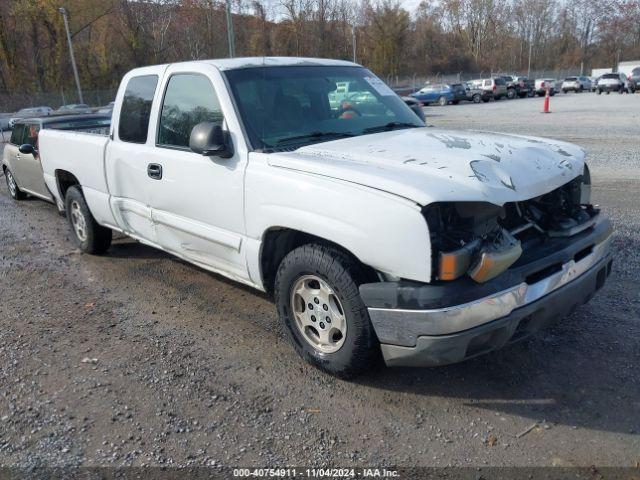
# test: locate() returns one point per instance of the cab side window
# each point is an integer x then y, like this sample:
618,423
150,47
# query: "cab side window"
189,99
136,109
17,134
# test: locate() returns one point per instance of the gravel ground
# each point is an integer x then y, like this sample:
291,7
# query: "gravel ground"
137,358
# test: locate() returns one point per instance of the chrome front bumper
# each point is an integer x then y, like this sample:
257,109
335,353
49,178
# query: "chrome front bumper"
414,336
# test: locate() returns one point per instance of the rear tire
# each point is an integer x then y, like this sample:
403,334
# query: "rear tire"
12,185
442,101
87,234
323,280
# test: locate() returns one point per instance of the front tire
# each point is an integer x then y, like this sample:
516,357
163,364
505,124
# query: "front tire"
477,98
12,185
317,296
87,234
442,101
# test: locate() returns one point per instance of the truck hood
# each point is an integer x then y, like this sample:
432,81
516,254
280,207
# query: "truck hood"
427,165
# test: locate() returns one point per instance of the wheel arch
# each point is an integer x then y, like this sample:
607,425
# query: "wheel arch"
65,180
277,242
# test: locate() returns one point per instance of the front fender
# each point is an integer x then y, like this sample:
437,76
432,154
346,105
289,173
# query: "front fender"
383,231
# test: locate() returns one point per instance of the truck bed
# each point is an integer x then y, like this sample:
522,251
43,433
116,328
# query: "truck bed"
81,153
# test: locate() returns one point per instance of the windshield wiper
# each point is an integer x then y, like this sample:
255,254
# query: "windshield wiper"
389,126
315,136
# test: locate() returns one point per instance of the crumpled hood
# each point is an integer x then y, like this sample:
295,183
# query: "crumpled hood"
428,165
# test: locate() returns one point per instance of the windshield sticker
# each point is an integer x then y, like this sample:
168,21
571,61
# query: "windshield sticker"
379,86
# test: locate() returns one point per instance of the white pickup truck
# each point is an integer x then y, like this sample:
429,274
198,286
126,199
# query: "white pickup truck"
378,237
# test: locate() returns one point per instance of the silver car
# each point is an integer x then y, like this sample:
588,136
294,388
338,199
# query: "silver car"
576,84
494,86
613,82
20,160
73,108
29,112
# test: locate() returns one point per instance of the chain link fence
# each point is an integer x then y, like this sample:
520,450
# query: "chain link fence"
12,102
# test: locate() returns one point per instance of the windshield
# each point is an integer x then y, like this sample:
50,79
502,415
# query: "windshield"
285,107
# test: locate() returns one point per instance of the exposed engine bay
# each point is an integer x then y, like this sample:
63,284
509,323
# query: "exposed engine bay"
483,240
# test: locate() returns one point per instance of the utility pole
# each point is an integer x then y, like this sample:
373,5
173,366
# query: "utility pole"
230,36
529,67
353,34
73,58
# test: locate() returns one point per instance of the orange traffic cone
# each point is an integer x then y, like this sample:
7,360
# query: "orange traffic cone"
546,102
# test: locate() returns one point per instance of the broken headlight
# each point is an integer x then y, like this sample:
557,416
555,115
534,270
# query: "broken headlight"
467,238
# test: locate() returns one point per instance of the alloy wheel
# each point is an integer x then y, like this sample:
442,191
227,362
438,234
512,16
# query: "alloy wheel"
318,314
78,221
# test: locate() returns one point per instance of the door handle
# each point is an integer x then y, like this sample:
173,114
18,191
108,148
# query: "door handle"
154,170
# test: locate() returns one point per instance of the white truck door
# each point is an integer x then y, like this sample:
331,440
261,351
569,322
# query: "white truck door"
198,202
127,159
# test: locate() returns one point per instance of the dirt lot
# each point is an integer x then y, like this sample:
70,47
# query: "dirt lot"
138,358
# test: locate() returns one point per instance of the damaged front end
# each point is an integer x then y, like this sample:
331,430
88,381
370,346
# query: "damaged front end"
482,240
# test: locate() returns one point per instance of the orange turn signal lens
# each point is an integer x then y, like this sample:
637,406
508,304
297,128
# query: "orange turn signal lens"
454,264
492,264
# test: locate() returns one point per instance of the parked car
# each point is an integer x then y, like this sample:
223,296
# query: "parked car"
576,84
415,105
524,86
594,83
494,86
30,112
377,236
108,108
634,80
613,82
74,108
475,94
459,92
512,86
439,93
542,84
20,159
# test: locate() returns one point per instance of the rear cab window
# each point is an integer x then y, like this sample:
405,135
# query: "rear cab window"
133,125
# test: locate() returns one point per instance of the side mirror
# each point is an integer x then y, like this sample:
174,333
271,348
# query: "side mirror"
209,139
27,149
